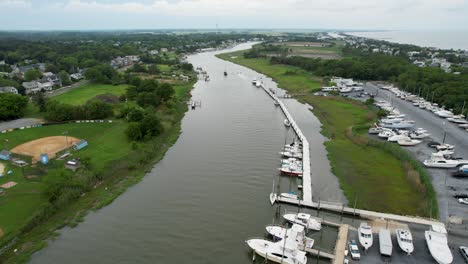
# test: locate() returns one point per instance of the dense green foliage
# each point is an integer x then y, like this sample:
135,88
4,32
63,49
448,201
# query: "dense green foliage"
32,75
12,106
443,88
102,73
95,109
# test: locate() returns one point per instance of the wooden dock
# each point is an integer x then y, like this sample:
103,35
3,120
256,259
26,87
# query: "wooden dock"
340,246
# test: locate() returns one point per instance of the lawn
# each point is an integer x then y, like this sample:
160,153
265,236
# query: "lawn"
370,176
292,78
82,94
107,142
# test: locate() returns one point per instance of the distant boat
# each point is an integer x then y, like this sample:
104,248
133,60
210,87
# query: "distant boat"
225,73
276,103
287,123
273,194
407,142
289,195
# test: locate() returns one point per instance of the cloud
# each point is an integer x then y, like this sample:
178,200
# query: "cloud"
363,14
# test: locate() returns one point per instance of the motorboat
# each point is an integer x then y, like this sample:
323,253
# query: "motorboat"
365,235
463,125
386,134
444,113
418,135
291,161
305,220
279,252
437,243
258,83
287,123
276,103
407,142
291,154
405,240
254,81
296,232
398,125
398,137
440,162
292,170
444,147
375,130
460,119
273,194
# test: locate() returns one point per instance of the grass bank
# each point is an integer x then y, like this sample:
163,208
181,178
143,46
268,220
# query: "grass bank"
80,95
117,163
370,175
295,79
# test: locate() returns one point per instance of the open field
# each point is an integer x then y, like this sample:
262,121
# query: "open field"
82,94
49,145
314,49
372,178
293,79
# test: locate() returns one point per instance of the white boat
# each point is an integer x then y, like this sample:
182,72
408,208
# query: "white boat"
291,161
398,125
276,103
405,240
440,162
345,89
254,81
291,154
457,120
296,232
279,252
385,242
463,125
418,135
386,134
437,243
396,138
444,113
305,220
273,194
445,147
292,170
375,130
365,235
258,83
289,195
407,142
287,123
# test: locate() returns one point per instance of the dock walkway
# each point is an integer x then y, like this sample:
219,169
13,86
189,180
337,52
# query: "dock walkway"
306,180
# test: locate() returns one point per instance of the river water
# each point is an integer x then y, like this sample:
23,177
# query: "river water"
210,192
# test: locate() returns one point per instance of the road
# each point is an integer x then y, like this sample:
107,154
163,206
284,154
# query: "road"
22,122
65,89
444,185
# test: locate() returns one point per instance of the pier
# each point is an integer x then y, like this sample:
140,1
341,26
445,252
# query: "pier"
306,180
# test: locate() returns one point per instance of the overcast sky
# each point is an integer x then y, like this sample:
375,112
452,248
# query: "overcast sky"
301,14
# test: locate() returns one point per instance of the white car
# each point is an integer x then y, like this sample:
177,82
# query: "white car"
354,250
463,200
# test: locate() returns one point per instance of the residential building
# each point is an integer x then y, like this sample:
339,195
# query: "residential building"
51,77
37,86
8,89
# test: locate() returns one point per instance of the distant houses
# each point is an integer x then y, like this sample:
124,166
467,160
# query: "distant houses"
120,62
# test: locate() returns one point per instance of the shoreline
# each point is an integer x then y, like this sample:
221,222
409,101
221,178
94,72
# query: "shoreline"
19,248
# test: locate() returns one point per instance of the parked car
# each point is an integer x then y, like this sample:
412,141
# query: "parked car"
354,250
464,253
463,200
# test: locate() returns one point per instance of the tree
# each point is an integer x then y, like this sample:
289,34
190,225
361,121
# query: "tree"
40,100
96,109
186,66
12,106
153,69
165,91
32,74
133,132
151,126
135,115
65,78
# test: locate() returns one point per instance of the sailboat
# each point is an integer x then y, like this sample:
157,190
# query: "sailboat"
273,194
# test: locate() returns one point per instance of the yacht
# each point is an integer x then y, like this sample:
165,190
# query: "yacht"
405,240
441,162
375,130
445,147
444,113
254,81
459,119
280,252
397,137
287,123
436,240
418,135
292,154
398,124
296,232
407,142
365,235
305,220
292,170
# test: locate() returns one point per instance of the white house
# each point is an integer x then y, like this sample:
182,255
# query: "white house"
8,89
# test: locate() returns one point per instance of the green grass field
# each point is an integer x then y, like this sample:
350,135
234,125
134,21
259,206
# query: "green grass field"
372,177
292,78
107,142
86,92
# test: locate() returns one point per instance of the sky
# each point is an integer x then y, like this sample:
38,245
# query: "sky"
258,14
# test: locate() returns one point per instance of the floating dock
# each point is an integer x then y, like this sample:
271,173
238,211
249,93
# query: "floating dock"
306,181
